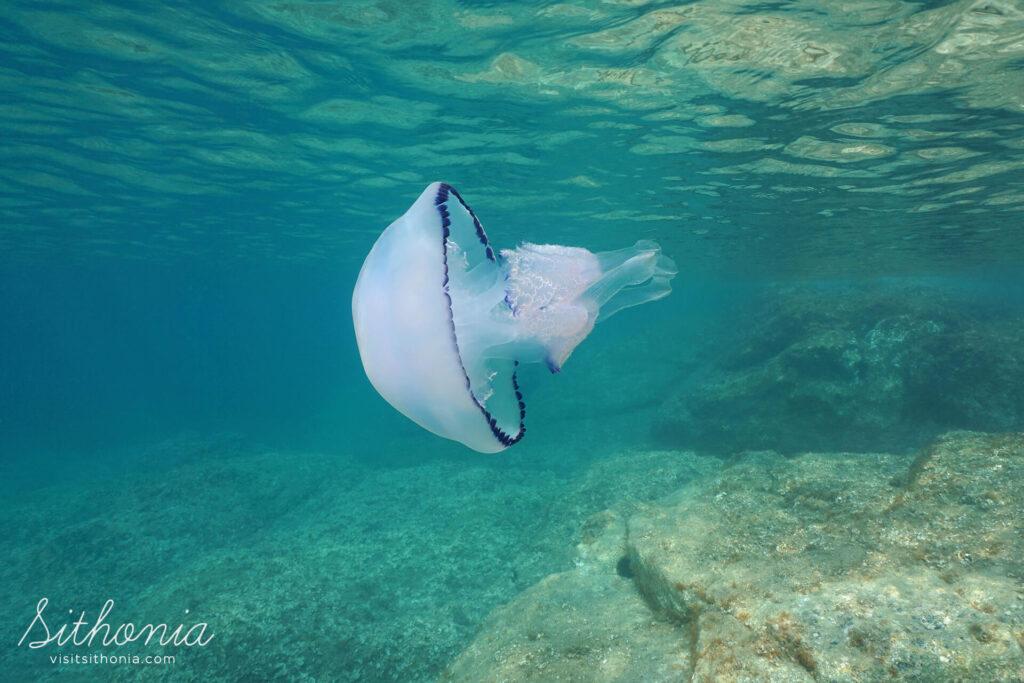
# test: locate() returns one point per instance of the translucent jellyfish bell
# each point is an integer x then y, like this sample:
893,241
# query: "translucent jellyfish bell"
442,320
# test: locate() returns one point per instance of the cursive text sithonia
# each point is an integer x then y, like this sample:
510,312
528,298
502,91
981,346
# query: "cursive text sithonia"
75,632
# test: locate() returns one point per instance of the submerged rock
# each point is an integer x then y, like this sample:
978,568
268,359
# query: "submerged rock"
588,624
884,369
820,567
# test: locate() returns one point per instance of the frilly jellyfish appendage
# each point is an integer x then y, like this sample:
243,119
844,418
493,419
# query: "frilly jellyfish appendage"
442,320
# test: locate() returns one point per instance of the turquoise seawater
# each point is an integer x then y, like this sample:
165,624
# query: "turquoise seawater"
188,191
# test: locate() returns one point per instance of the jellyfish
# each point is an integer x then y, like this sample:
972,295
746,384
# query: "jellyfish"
442,320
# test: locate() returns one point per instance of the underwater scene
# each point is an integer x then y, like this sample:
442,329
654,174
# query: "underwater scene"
454,340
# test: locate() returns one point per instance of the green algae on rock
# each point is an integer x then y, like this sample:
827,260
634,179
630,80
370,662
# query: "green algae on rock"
831,368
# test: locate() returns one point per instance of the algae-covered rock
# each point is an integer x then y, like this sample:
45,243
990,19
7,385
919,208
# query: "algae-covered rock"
829,567
852,368
849,565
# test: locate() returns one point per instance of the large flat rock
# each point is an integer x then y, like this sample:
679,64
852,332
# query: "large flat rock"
849,565
820,567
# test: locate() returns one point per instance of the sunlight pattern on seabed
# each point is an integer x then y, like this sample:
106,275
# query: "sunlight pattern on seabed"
891,130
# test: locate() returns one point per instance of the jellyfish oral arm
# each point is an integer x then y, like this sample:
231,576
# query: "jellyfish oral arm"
442,321
630,277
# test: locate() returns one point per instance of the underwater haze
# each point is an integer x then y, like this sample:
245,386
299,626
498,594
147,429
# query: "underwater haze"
805,463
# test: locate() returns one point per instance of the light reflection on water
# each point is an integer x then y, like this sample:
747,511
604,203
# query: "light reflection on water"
756,139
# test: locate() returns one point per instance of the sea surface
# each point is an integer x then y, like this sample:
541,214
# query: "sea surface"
188,191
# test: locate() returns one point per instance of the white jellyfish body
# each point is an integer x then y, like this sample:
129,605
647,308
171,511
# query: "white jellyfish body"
442,321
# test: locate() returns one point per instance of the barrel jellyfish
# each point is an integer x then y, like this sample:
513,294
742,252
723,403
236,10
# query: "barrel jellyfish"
442,320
